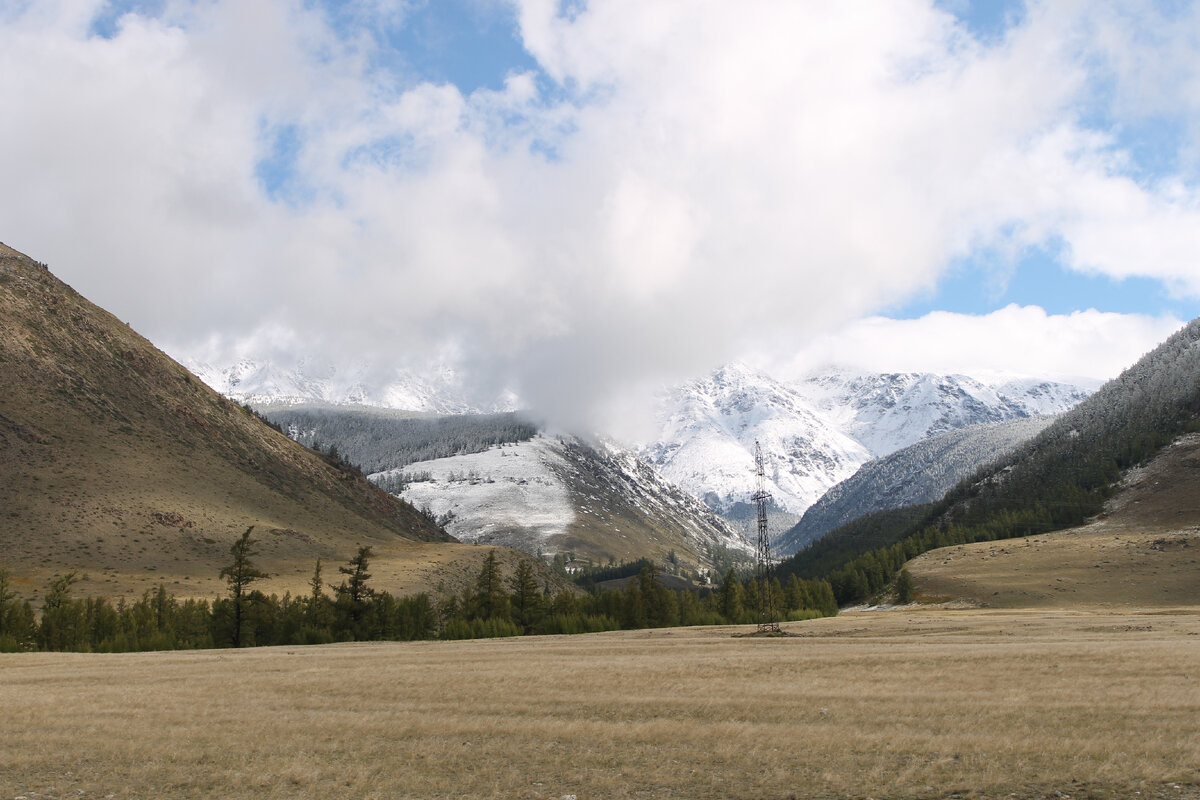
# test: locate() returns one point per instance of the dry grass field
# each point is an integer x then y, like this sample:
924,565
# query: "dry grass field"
1144,551
898,704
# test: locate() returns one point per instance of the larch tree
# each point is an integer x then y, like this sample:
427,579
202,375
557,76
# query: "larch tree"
238,576
528,605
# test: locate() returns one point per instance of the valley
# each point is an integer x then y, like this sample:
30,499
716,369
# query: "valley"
1055,664
593,400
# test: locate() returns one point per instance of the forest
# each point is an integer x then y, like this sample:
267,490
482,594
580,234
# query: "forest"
379,439
352,610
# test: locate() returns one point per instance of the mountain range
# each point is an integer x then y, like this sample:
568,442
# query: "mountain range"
815,432
497,479
122,467
818,431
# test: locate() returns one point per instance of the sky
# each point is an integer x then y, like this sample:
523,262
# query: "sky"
579,200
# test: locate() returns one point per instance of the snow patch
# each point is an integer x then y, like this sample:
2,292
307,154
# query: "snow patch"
493,493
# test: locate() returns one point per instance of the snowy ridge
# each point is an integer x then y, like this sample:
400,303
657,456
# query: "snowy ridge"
818,431
264,383
887,412
707,435
507,495
559,494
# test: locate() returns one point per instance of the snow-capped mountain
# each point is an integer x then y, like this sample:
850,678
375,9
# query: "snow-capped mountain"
265,383
558,494
707,435
887,412
815,432
819,430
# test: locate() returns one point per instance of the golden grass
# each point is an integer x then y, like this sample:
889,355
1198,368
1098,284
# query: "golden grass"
896,704
1092,566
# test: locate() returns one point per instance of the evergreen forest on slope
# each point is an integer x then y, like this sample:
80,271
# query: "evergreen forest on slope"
376,439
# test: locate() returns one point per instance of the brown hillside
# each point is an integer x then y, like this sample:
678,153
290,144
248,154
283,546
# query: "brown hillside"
118,462
1144,551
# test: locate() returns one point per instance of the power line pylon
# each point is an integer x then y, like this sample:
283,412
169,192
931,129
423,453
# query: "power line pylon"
763,570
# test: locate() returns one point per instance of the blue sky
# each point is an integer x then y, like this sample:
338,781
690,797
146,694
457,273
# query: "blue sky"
989,281
601,195
471,44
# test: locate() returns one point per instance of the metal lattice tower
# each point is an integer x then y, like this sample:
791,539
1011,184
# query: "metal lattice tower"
763,571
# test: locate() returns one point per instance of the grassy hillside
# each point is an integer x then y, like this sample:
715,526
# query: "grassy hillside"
116,461
1142,551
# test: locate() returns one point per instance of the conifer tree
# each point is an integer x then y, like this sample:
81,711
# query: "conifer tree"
729,599
490,600
62,621
353,594
238,576
8,640
750,598
528,605
317,612
904,587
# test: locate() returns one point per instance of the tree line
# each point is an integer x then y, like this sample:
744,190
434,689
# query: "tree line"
352,610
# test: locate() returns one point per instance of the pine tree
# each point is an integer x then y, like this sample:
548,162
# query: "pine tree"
729,598
8,640
528,605
238,576
490,600
751,598
353,593
317,612
904,588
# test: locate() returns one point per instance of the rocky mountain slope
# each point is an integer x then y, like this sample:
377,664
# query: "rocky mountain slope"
708,428
918,474
117,462
559,495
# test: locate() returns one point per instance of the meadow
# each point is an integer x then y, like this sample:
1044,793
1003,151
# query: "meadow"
904,703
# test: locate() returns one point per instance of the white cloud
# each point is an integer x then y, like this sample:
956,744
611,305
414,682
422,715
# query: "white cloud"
1088,347
724,177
